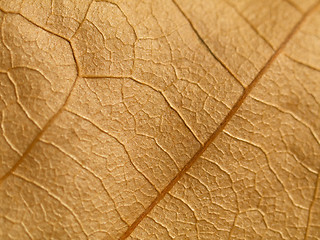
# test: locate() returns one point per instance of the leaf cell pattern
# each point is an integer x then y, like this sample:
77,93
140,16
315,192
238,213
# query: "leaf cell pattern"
169,119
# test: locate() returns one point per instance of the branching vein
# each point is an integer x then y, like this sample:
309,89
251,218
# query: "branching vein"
222,125
206,45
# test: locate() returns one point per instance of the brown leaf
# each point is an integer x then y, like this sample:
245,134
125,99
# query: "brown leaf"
160,119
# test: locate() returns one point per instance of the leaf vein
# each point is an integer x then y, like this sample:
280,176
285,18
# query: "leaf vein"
123,146
49,122
221,126
206,45
56,198
315,193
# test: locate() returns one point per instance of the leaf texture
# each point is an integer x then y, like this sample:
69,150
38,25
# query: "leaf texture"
160,119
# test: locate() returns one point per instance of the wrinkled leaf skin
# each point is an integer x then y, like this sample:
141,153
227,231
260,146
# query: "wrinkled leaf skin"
167,119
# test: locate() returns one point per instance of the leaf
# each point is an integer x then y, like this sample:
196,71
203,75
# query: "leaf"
160,119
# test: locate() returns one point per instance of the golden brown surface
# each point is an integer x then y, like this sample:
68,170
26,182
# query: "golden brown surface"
160,119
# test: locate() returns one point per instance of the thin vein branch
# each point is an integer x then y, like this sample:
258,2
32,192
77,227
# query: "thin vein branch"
38,185
315,193
51,120
89,171
116,139
302,63
84,18
233,226
269,166
27,230
37,25
196,178
295,6
206,45
10,144
251,25
158,91
36,139
123,13
24,110
221,126
294,116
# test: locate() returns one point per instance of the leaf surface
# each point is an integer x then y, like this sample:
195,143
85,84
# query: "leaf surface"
160,119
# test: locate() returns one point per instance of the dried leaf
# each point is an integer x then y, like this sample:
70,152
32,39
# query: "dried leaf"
167,119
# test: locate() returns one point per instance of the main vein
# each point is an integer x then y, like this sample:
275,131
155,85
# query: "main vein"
46,126
51,120
222,125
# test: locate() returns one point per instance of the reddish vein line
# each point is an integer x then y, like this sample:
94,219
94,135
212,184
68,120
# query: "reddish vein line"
46,126
38,136
51,120
220,127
